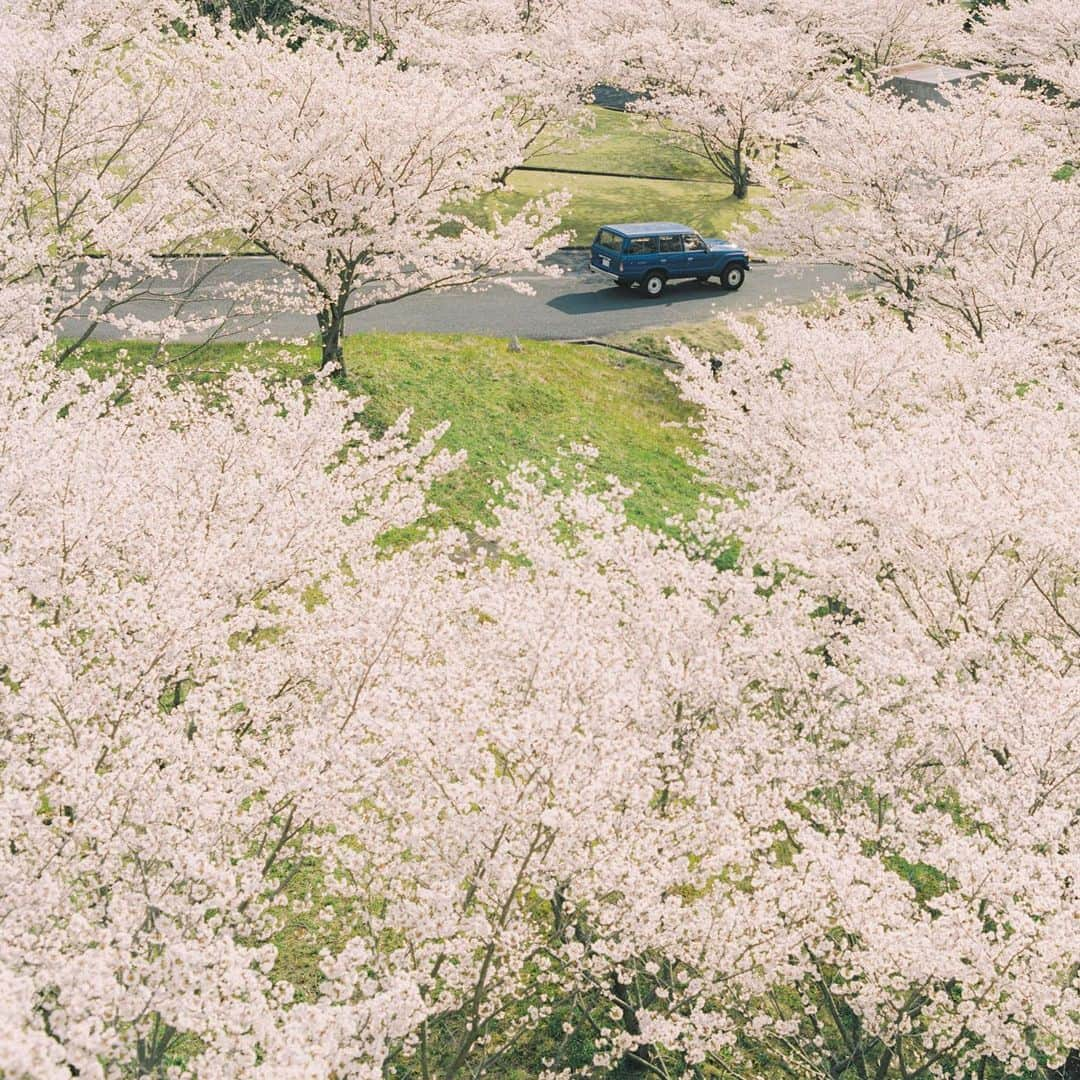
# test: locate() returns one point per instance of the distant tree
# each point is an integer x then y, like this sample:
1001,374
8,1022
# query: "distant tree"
100,124
870,34
729,87
249,14
954,208
541,57
977,10
1038,38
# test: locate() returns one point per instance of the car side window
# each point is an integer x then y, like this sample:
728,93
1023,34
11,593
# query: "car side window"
642,245
671,243
693,243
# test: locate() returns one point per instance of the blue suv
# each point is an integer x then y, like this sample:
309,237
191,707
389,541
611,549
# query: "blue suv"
652,253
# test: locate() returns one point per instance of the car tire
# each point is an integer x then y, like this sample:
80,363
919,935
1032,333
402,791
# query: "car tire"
623,283
654,284
733,276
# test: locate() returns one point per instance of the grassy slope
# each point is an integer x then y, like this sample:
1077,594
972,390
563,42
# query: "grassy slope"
623,143
503,408
620,142
712,336
598,200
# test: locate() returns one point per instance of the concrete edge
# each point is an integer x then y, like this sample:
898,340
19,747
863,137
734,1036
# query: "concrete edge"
263,255
615,175
600,343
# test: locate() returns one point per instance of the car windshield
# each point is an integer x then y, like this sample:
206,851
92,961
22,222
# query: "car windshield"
610,240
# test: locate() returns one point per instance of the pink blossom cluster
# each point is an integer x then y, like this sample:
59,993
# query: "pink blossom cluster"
925,494
819,805
965,212
1037,37
99,125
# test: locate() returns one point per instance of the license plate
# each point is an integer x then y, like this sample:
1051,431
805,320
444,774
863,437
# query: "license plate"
606,262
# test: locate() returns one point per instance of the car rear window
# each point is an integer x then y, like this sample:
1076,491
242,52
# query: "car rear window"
610,240
642,245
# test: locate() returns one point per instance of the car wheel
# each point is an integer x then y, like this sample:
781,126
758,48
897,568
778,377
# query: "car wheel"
654,284
733,277
622,283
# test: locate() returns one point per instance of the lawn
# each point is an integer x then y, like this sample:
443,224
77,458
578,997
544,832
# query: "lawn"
711,336
621,142
595,200
503,407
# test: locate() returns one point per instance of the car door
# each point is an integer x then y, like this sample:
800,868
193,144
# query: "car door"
696,254
640,256
672,256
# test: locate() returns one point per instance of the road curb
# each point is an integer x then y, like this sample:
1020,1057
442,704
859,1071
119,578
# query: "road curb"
616,175
575,248
599,343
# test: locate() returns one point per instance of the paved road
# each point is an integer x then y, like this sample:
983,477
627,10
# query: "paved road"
577,304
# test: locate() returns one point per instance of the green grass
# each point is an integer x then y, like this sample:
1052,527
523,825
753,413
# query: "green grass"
711,336
503,408
507,407
597,200
620,142
623,143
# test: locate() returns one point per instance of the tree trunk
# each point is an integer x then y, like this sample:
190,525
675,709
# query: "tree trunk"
331,327
740,175
637,1062
1070,1070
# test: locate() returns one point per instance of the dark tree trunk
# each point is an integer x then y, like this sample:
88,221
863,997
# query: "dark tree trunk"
331,329
1070,1070
740,175
636,1062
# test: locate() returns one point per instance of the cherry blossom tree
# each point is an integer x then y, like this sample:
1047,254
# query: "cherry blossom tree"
959,210
100,122
148,895
540,59
919,490
870,34
355,172
595,787
1037,37
730,86
1002,414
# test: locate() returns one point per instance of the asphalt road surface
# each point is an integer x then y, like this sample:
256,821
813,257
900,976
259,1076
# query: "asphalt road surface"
576,304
